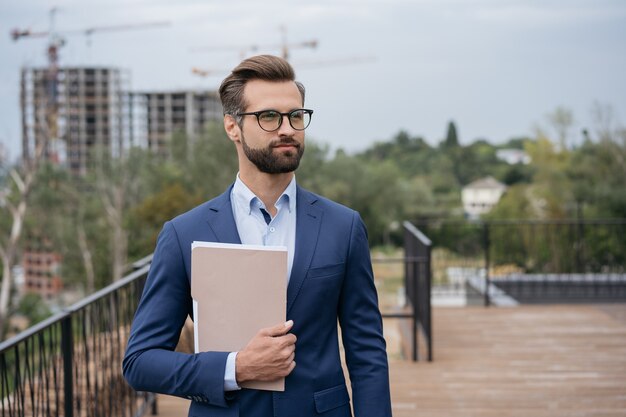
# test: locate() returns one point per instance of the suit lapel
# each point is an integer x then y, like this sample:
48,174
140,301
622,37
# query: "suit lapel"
221,219
308,221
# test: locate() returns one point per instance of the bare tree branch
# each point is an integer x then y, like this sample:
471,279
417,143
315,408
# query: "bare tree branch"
12,208
18,213
18,180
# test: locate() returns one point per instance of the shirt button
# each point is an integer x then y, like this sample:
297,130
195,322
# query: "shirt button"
272,229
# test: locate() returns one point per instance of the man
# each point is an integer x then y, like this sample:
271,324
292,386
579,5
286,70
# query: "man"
330,276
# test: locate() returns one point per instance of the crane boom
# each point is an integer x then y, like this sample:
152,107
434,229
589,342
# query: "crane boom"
16,34
284,47
313,43
56,39
304,65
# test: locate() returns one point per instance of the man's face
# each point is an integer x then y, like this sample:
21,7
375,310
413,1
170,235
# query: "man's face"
279,151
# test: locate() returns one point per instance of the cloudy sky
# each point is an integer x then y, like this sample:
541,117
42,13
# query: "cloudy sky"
495,67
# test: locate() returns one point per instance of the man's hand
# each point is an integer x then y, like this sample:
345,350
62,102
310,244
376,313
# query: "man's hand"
268,356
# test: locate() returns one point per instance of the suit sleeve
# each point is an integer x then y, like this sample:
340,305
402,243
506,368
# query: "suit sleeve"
150,363
361,327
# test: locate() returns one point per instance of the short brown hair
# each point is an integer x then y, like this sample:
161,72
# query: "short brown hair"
260,67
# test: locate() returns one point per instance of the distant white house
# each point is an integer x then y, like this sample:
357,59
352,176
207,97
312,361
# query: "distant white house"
513,156
480,196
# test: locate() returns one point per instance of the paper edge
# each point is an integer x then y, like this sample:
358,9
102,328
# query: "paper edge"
196,342
202,244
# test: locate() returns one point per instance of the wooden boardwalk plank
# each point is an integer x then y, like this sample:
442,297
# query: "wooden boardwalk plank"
510,362
522,361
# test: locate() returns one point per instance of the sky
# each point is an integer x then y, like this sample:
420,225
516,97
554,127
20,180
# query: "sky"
496,68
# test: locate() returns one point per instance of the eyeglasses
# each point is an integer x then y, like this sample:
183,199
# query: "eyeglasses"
271,120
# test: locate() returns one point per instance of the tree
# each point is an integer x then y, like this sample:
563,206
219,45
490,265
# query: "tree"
316,157
598,174
550,191
114,180
412,155
81,235
451,141
562,120
212,163
150,214
33,307
454,152
21,183
371,189
195,170
117,182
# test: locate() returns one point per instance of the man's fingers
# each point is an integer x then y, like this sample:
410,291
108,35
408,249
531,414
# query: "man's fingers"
289,367
286,340
279,329
286,353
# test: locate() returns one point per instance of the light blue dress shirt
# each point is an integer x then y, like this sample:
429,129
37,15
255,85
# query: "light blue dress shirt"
253,230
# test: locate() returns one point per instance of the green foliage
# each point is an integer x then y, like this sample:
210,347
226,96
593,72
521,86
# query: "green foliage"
148,216
452,141
405,178
33,307
541,190
598,176
373,190
313,163
516,203
412,155
195,171
514,174
212,165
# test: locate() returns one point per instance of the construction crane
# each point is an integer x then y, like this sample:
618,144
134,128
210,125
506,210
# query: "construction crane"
285,47
219,72
56,39
244,50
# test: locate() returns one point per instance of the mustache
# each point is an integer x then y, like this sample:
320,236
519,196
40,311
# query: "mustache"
285,141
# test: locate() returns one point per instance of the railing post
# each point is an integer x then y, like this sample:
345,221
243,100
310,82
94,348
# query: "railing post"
408,292
486,244
428,319
417,282
155,405
67,348
414,306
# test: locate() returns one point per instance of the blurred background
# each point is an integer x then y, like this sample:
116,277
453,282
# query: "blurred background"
494,67
483,142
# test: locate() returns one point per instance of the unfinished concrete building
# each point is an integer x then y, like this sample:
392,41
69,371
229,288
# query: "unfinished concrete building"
74,109
42,272
158,115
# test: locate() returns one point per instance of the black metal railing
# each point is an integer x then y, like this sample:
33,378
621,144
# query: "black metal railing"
70,364
417,288
530,261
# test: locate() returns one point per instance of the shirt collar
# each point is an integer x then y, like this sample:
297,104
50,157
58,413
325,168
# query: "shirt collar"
246,198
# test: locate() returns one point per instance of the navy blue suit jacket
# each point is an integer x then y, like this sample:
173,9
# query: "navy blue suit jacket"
331,281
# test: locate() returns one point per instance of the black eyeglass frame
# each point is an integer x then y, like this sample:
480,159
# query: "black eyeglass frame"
282,116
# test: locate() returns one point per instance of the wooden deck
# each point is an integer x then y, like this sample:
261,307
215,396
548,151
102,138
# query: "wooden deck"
510,362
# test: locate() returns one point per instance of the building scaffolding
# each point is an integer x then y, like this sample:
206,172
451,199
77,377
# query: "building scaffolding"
158,115
89,114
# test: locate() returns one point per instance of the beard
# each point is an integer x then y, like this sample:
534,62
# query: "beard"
270,163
